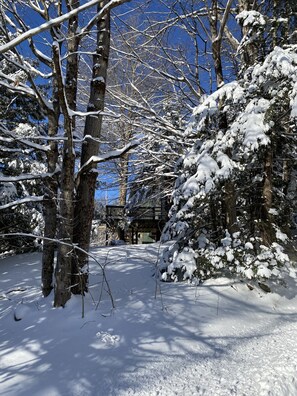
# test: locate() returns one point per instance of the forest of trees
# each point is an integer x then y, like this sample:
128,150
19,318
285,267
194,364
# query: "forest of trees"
195,101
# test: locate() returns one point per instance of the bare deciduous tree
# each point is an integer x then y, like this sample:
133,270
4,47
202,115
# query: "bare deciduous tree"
55,45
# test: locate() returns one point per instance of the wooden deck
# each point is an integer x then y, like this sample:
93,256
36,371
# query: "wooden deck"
116,212
142,219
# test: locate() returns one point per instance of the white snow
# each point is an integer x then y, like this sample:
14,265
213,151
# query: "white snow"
251,18
22,200
218,338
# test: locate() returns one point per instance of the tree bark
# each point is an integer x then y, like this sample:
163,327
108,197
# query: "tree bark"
230,205
51,191
50,210
124,173
65,251
62,272
84,209
266,227
250,54
72,58
216,43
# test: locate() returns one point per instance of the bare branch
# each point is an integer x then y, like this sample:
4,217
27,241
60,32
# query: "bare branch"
7,179
106,157
22,201
57,21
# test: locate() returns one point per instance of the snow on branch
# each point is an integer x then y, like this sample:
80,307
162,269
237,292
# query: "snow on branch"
106,157
22,201
72,113
21,88
13,179
25,142
57,21
34,145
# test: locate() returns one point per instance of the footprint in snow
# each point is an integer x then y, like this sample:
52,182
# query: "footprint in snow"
107,338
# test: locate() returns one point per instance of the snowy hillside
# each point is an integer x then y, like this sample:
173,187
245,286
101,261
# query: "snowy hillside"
219,338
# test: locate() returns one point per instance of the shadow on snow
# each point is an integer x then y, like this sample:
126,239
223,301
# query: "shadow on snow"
55,352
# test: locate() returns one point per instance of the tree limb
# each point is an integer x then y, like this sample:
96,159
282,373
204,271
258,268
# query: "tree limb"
106,157
21,201
57,21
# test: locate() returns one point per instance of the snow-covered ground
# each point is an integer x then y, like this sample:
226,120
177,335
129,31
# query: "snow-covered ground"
219,338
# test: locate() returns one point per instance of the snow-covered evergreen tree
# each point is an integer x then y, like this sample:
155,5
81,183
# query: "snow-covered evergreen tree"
20,118
235,199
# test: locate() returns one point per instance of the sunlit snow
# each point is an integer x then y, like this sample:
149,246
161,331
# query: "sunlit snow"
218,338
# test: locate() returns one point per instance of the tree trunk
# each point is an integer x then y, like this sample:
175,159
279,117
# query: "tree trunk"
84,209
51,190
50,212
216,43
65,250
251,52
72,58
230,205
267,231
124,173
63,268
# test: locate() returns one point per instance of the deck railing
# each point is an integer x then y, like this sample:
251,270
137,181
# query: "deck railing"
116,212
